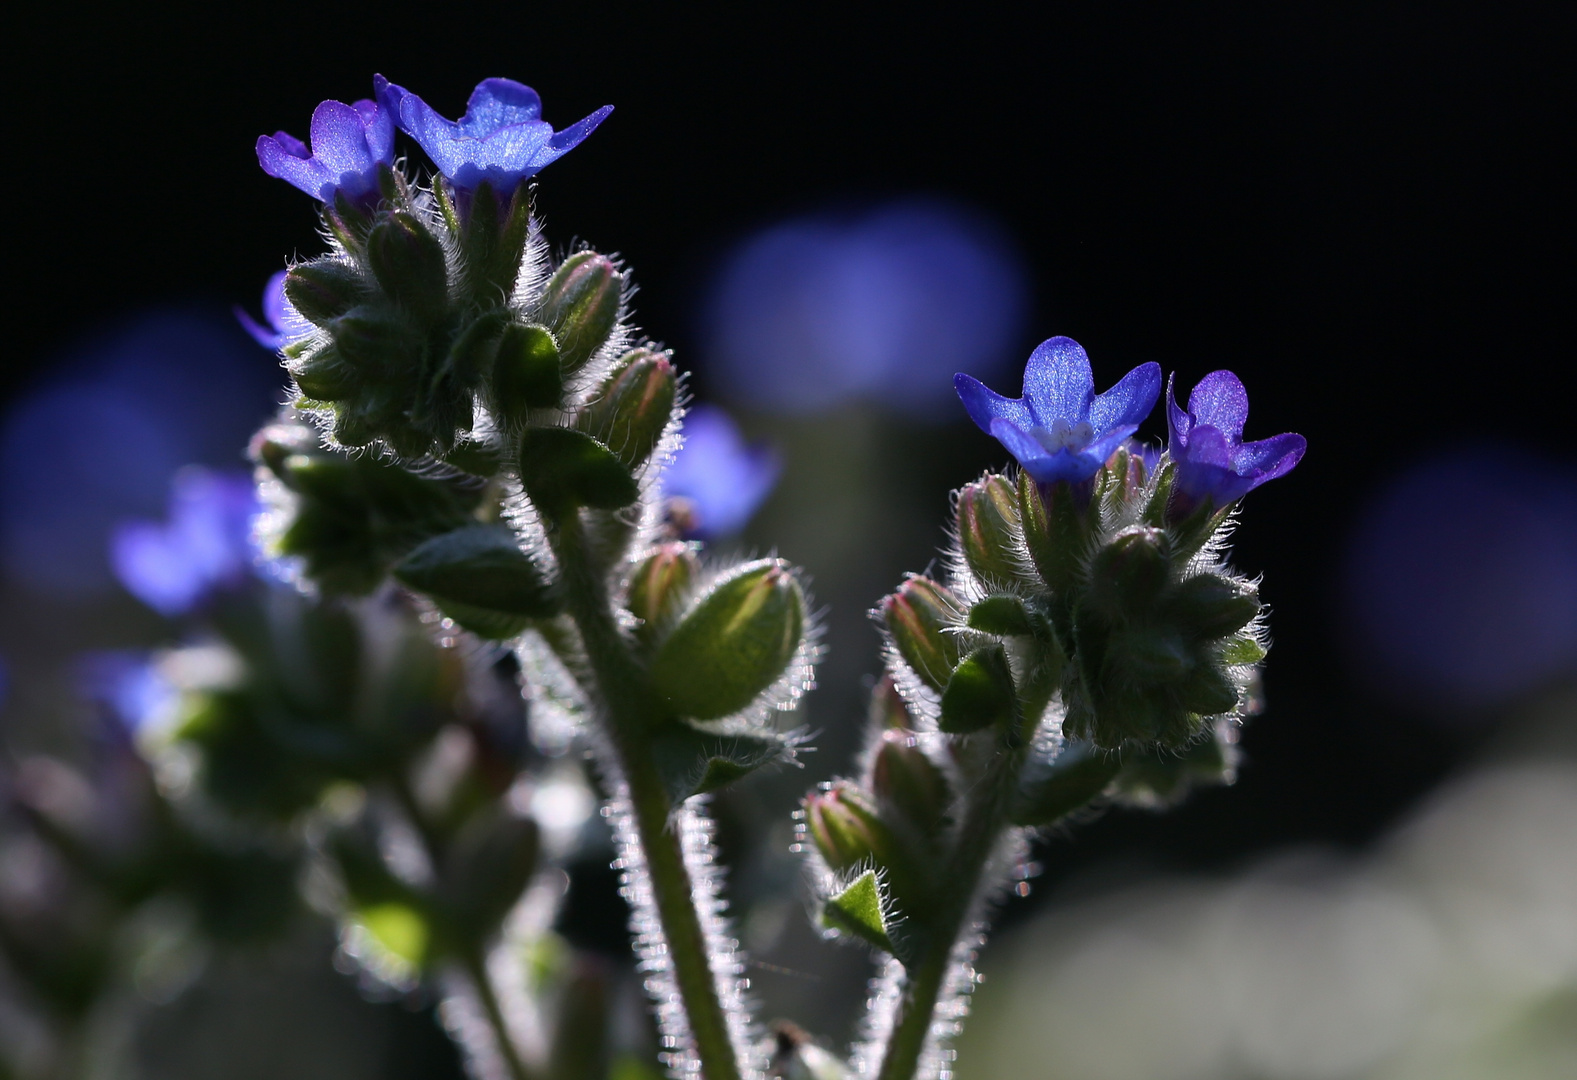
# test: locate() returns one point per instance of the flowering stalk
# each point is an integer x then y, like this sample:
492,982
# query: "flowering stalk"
1089,644
518,435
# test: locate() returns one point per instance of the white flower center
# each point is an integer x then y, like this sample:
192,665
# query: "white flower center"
1064,436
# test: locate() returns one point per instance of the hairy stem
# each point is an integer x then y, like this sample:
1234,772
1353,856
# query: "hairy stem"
621,685
973,846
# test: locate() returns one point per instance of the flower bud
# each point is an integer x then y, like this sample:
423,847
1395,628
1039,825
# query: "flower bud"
887,707
324,290
843,825
633,406
733,644
908,784
581,306
409,263
1055,519
988,531
1207,606
918,617
1128,574
325,376
659,586
376,346
526,372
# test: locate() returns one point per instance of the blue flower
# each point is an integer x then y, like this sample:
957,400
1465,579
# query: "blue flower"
276,333
206,543
501,139
721,478
129,685
1061,429
1213,461
350,143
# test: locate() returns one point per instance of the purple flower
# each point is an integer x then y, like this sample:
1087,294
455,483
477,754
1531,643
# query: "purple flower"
1213,461
721,477
1061,429
128,684
501,139
350,143
172,566
276,333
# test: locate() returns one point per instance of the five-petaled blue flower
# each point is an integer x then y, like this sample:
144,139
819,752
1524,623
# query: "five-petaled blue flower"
1061,429
349,145
1206,441
501,139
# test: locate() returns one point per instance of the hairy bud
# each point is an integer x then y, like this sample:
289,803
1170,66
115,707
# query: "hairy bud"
918,616
633,406
733,644
324,290
409,263
581,306
988,531
907,784
659,586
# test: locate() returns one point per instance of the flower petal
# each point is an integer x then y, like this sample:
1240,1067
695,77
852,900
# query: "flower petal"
1220,401
1058,383
572,136
379,124
1269,458
389,95
305,173
440,138
274,301
985,405
499,103
1178,422
339,142
1127,403
1023,446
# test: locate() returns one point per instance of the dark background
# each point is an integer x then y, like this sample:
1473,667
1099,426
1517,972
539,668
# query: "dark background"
1364,211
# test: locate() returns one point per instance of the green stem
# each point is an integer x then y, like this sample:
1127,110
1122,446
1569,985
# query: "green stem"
622,686
476,968
983,823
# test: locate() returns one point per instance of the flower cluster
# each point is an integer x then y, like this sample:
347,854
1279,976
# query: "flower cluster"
1059,429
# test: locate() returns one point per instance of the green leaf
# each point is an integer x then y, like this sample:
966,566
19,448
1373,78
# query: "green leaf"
694,762
980,693
480,578
1001,615
1079,775
858,910
562,469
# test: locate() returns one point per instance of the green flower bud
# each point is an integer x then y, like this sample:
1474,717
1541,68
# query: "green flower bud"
1128,574
908,785
562,469
377,346
659,586
526,372
409,263
888,710
634,405
919,616
325,376
480,578
1209,606
988,531
581,306
1079,775
845,828
324,290
733,644
1058,531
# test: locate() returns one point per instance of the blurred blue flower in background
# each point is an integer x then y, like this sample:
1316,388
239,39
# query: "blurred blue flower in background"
206,543
1460,584
883,307
127,684
98,439
721,479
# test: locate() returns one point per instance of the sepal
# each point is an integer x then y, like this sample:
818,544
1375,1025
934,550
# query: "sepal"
858,909
409,263
526,372
989,534
907,784
980,693
696,762
633,406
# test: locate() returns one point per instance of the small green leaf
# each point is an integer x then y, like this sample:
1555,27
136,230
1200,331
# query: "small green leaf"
480,578
980,693
1079,775
1242,650
1001,615
694,762
562,469
858,910
399,929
